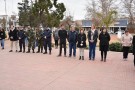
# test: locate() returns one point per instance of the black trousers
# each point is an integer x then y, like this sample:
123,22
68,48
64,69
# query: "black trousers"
22,44
56,43
62,44
134,60
47,44
103,54
104,49
125,52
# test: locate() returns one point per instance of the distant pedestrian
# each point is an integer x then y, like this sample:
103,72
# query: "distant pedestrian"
92,39
134,48
81,43
2,37
63,36
72,39
13,36
104,38
126,43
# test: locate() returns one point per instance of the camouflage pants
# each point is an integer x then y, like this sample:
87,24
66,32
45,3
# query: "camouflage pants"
40,45
31,44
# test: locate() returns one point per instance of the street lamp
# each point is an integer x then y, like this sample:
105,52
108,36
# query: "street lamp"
6,13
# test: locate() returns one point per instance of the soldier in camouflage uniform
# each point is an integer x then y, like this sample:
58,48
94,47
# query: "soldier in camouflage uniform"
40,40
31,39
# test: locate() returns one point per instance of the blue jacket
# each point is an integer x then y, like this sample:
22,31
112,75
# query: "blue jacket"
47,34
72,37
21,34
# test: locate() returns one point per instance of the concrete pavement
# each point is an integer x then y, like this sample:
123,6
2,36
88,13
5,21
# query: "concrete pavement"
22,71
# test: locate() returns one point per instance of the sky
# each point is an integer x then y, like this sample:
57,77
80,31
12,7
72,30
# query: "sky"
76,8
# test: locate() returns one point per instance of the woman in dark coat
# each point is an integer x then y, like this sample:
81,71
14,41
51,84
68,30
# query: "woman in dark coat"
133,42
104,38
81,43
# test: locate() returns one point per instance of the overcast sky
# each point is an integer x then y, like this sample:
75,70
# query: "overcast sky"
75,7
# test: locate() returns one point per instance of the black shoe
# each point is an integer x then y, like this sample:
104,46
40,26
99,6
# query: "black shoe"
105,60
45,53
2,48
59,56
89,58
93,59
37,52
69,56
16,51
41,51
102,59
28,51
11,51
23,51
20,51
80,58
50,53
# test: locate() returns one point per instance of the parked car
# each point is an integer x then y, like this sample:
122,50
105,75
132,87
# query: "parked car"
122,31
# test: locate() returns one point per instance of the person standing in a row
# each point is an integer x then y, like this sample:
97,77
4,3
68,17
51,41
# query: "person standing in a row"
40,40
47,40
72,39
22,36
13,36
56,38
62,36
81,43
92,38
133,43
31,39
104,38
126,43
2,37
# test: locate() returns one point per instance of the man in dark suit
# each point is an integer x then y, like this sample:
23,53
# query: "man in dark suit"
92,38
63,36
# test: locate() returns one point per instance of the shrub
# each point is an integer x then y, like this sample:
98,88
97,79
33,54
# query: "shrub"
117,47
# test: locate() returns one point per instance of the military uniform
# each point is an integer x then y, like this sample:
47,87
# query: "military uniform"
40,40
31,40
47,40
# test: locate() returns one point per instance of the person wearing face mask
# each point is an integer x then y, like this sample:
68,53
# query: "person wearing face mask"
92,39
72,39
81,43
126,41
104,38
13,36
47,35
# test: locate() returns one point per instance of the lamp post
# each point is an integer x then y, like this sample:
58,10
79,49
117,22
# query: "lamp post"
6,13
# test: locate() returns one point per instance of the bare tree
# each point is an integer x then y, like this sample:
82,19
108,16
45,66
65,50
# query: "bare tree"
101,11
129,6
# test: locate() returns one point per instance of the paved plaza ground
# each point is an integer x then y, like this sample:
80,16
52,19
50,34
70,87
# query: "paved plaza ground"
22,71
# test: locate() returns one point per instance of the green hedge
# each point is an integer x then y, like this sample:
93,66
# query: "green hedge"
117,47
